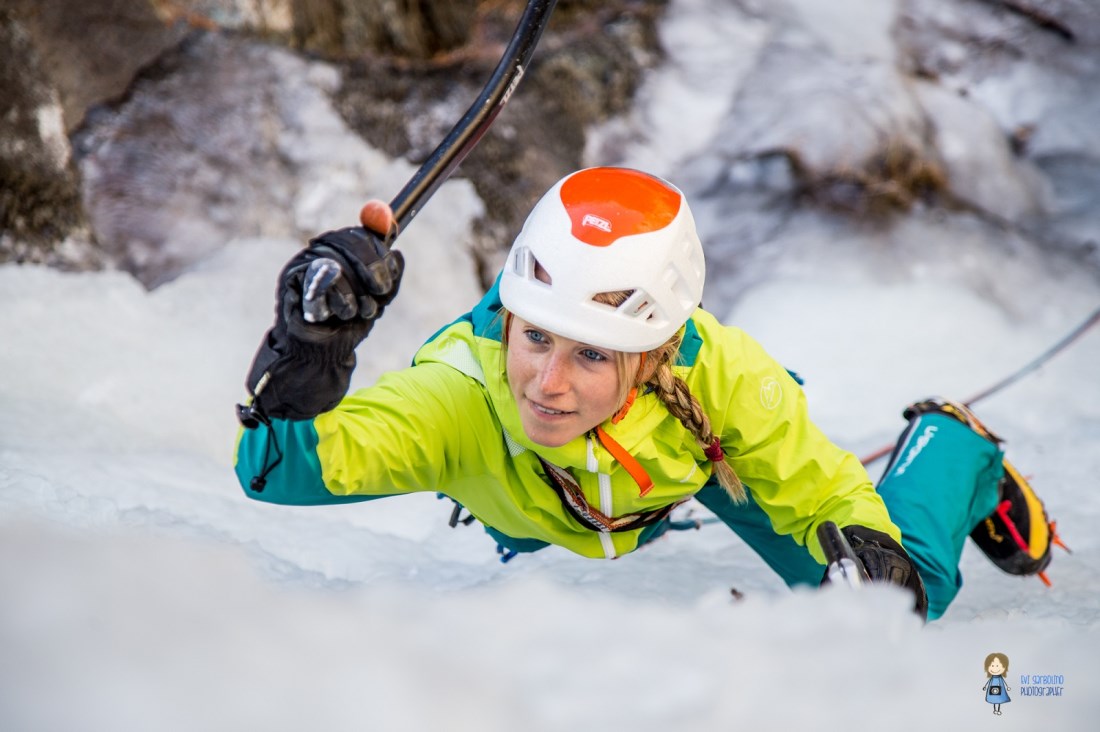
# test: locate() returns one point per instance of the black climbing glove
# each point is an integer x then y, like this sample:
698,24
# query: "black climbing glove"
886,561
329,296
336,288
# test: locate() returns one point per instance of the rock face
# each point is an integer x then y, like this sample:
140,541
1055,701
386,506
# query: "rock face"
590,61
39,191
195,157
346,28
1031,71
190,120
60,58
183,133
91,51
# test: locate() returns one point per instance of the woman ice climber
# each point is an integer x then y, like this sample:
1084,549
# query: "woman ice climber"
586,395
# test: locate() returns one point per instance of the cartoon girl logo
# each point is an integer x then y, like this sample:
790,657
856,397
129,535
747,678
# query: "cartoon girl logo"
996,690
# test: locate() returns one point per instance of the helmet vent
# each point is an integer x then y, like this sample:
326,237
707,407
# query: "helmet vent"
523,263
639,305
527,267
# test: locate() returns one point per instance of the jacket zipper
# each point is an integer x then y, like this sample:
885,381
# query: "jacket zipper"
606,505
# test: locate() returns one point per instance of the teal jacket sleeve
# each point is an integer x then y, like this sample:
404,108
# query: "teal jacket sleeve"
278,463
406,433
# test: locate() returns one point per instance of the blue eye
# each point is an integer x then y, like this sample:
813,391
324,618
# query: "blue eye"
592,355
535,336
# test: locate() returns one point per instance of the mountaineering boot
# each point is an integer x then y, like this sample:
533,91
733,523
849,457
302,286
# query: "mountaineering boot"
1018,534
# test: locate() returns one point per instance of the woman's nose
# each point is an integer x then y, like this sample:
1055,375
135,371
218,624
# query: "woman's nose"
554,374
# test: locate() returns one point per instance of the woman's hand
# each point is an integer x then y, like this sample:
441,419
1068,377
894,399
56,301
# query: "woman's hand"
344,279
329,296
886,561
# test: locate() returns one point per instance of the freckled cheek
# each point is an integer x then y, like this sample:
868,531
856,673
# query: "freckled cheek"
518,369
602,393
511,372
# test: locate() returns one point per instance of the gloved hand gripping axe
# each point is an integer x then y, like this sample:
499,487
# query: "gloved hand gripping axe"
843,567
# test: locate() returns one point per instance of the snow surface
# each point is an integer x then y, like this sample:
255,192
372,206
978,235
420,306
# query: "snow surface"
140,589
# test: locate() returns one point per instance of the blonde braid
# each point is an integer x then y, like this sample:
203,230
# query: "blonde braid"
677,397
681,404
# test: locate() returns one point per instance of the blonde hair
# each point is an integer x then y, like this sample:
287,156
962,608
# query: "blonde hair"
682,404
669,388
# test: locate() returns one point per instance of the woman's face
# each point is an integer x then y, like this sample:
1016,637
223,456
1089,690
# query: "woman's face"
563,388
996,667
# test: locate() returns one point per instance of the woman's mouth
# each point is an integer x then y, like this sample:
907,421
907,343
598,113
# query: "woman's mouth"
544,410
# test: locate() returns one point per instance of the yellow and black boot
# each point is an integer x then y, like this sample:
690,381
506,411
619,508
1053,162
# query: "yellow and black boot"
1018,535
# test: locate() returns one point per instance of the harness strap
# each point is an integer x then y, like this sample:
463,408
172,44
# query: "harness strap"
572,499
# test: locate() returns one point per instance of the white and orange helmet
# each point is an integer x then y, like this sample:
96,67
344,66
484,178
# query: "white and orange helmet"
607,230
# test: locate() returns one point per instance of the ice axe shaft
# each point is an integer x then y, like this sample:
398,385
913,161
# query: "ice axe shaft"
465,135
843,566
454,148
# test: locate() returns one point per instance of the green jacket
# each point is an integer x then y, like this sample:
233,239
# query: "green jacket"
449,424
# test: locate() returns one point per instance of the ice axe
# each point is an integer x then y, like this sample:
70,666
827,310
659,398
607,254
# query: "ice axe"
843,566
458,143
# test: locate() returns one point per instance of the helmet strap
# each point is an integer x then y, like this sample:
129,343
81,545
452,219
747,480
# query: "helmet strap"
624,458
